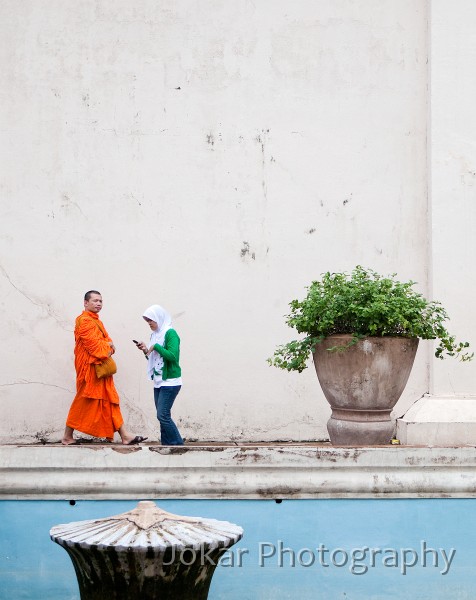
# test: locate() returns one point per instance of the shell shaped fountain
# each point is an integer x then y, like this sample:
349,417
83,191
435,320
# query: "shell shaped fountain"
146,553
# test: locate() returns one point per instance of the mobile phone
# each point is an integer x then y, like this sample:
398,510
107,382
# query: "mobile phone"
135,341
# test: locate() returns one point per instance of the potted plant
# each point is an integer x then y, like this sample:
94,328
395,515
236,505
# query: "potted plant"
362,330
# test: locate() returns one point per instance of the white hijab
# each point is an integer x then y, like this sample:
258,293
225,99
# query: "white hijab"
164,321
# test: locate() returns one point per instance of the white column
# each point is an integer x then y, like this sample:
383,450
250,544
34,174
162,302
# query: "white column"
447,415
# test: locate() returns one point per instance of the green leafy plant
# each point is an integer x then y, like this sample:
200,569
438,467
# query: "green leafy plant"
363,304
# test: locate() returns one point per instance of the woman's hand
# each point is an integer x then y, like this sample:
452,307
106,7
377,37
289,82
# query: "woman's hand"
144,348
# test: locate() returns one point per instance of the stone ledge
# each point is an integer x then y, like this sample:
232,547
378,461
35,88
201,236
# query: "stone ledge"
439,420
54,472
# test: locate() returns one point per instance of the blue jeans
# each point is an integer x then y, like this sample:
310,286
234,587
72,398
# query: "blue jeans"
164,397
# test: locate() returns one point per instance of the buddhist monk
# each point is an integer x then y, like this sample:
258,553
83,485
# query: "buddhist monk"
95,408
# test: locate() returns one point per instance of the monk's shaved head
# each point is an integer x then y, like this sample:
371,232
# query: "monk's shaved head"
87,295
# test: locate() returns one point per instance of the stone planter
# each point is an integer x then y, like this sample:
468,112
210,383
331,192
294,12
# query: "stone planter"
146,554
362,384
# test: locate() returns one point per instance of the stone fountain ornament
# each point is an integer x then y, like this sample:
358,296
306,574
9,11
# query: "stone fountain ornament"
146,553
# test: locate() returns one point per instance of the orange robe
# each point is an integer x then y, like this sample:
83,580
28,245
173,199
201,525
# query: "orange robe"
95,408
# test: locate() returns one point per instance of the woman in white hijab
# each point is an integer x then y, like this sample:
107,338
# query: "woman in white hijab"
163,368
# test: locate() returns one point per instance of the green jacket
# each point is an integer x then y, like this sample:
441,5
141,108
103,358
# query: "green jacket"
170,352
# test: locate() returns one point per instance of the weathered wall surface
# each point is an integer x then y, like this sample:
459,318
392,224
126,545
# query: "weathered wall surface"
213,157
453,181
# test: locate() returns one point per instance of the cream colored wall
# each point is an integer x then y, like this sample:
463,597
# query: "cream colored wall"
453,182
213,157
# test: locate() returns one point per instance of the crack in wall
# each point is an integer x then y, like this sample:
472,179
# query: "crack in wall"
36,383
262,139
136,414
67,202
44,305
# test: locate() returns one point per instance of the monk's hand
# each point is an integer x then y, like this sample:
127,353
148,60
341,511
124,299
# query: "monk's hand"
113,348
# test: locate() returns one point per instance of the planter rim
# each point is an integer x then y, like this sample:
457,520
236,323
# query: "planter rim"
372,337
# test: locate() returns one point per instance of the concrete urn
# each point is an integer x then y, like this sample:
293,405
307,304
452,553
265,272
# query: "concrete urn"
146,554
362,384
